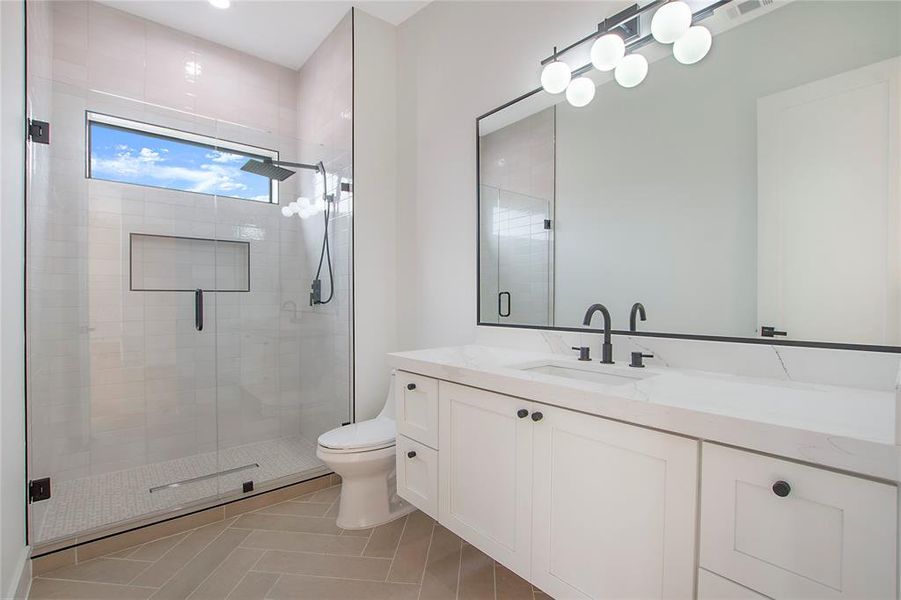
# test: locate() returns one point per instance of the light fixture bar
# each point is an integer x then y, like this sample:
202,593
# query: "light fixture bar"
619,19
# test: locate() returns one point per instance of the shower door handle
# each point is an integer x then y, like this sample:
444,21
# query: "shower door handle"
500,304
198,309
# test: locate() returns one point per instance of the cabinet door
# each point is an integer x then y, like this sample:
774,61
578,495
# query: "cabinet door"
614,509
794,531
484,472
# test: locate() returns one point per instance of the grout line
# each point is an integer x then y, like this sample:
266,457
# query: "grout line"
494,575
189,559
299,574
316,553
459,568
213,570
237,585
332,578
400,538
272,585
425,566
142,587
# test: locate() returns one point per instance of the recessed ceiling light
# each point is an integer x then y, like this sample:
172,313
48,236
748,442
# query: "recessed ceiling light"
223,4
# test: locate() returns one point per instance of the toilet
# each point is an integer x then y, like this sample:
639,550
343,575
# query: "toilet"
363,455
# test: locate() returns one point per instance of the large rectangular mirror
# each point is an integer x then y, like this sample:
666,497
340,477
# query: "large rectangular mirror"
755,193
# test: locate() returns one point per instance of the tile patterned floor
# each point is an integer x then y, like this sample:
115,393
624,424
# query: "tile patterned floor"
294,550
90,502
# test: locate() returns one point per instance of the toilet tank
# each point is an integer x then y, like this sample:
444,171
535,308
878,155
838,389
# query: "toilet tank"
387,411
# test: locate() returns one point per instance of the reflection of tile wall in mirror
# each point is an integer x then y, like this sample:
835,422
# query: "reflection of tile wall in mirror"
517,196
168,263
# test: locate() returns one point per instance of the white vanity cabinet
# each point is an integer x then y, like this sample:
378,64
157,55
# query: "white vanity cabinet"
485,472
613,508
416,460
587,507
582,506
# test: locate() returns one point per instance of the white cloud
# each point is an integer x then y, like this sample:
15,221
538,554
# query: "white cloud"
226,157
149,167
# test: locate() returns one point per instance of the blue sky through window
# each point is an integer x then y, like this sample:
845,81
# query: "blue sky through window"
135,157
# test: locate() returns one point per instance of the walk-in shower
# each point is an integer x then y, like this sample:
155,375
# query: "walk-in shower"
140,219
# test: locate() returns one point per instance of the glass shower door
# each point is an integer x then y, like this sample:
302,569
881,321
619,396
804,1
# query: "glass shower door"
283,365
515,258
524,259
121,377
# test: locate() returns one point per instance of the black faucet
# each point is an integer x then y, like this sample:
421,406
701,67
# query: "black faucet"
637,308
607,348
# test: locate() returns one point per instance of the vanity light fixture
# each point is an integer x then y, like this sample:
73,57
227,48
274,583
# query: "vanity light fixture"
580,91
555,76
631,70
671,22
616,35
607,52
693,46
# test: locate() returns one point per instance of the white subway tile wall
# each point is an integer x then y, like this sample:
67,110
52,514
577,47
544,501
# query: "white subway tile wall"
120,379
516,196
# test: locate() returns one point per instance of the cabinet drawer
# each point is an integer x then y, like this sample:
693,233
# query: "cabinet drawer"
823,535
417,475
417,407
713,587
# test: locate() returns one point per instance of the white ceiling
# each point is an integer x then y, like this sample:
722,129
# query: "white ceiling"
285,32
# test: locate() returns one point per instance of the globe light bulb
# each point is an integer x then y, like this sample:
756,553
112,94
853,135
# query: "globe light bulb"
555,77
580,91
671,21
607,51
631,70
693,46
287,211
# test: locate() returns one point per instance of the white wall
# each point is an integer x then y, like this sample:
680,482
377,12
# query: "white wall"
457,60
375,205
13,552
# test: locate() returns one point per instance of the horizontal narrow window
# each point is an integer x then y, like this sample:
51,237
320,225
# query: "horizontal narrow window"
127,151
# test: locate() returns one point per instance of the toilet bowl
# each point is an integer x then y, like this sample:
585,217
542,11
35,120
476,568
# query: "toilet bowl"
363,455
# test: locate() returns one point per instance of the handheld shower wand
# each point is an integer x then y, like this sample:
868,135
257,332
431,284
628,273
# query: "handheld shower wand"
325,253
275,170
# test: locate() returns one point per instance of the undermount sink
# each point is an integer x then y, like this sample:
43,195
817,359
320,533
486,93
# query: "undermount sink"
604,375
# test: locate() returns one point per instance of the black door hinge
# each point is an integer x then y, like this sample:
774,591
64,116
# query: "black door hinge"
39,489
547,223
767,331
39,132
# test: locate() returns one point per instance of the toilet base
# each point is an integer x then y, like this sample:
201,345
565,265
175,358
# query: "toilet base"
368,487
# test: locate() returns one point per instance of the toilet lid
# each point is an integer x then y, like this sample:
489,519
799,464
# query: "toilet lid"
365,435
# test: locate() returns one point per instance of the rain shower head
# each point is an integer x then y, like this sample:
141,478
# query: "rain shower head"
267,168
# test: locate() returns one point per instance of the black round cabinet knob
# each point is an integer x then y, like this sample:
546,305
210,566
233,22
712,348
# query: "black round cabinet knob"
537,416
411,386
522,413
411,454
782,489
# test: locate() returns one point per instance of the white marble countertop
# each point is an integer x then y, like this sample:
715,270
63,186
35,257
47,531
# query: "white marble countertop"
845,428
